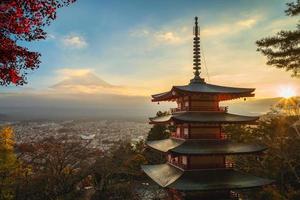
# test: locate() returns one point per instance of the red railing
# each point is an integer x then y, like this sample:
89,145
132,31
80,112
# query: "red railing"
223,108
229,164
201,108
178,164
173,110
181,136
225,136
234,195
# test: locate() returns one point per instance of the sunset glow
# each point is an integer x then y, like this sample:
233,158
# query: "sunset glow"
287,92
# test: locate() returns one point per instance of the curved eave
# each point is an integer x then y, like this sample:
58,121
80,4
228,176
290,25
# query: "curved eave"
168,176
203,117
225,93
164,145
204,147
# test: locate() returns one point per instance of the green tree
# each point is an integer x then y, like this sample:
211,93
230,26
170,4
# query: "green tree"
157,132
282,50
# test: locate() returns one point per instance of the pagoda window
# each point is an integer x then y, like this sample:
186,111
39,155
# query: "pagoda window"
184,160
186,132
175,160
178,132
179,105
169,157
186,104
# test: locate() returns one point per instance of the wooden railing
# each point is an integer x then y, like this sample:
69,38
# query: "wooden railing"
229,164
178,164
234,195
223,108
173,110
201,108
225,136
181,136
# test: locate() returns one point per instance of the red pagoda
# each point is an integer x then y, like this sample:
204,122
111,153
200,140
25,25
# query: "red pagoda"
198,152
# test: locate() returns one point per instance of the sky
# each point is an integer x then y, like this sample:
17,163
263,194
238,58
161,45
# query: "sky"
145,47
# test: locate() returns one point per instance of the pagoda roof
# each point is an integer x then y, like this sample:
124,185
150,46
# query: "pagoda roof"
168,176
203,117
194,88
204,147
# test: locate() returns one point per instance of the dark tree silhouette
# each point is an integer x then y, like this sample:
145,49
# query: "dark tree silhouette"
283,49
23,20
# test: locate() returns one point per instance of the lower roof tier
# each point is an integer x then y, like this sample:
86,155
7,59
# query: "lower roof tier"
168,176
203,117
204,147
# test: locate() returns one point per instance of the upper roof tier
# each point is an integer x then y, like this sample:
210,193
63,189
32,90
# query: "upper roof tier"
201,88
198,86
204,147
203,117
168,176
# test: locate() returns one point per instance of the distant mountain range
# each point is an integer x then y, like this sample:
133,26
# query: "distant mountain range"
89,80
37,107
88,97
252,106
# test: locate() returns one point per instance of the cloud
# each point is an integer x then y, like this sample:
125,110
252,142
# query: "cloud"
168,37
160,37
142,32
247,23
181,34
68,72
230,28
74,41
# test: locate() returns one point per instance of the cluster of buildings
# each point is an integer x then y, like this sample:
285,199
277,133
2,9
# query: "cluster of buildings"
102,134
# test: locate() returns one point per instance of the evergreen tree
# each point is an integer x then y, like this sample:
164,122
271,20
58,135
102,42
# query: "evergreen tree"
283,49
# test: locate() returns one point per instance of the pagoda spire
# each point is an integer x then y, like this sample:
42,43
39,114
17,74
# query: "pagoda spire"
197,54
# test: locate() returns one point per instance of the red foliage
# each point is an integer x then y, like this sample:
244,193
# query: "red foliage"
23,20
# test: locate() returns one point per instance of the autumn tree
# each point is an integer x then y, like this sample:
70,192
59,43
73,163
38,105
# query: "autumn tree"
23,20
281,162
8,163
283,49
58,165
116,171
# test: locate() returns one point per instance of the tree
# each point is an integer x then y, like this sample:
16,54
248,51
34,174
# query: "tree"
8,163
283,49
159,131
23,20
58,165
116,171
281,162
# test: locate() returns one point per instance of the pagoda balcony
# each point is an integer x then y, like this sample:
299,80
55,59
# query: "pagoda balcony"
178,164
225,136
229,164
181,136
202,108
234,195
223,109
174,110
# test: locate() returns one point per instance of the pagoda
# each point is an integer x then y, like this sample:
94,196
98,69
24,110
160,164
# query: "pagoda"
198,151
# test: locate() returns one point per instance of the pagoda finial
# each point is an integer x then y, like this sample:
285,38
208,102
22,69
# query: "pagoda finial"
197,56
